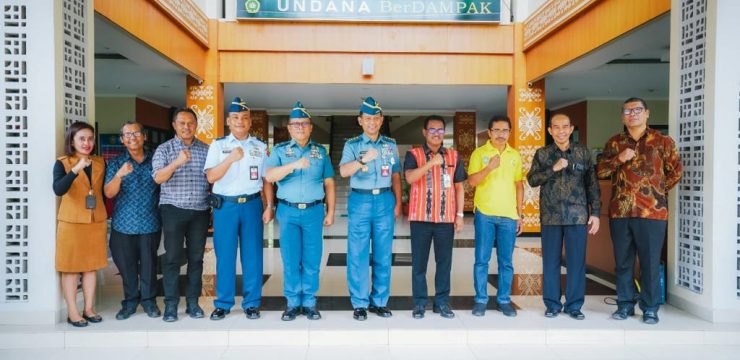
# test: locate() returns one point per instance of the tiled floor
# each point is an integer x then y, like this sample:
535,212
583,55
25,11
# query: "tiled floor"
337,335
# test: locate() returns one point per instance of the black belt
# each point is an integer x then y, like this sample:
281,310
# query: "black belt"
240,199
371,191
300,205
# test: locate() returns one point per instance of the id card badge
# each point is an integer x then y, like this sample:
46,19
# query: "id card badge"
385,170
253,173
446,181
90,202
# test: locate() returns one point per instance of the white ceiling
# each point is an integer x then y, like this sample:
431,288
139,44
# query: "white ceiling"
591,77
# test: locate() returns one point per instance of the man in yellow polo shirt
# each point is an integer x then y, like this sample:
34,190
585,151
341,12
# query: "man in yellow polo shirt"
496,173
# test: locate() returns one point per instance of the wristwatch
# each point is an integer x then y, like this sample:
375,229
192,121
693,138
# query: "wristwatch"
359,160
460,214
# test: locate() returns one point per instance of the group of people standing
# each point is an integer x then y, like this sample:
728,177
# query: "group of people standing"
173,190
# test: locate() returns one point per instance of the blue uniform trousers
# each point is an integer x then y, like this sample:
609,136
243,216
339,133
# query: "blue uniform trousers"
370,216
239,225
574,237
301,247
500,232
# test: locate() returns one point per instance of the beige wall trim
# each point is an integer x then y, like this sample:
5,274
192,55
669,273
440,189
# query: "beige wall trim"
549,17
189,15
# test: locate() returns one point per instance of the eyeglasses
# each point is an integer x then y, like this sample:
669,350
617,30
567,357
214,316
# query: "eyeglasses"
129,135
436,131
499,131
636,111
296,125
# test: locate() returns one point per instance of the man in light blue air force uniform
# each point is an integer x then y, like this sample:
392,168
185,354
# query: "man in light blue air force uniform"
304,173
371,160
234,166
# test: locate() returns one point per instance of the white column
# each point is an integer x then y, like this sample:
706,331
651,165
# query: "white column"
48,78
705,120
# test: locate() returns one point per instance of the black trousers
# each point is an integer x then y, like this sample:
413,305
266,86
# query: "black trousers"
645,238
135,257
422,236
189,228
574,238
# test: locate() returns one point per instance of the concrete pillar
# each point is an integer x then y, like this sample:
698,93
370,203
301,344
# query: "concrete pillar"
47,84
704,234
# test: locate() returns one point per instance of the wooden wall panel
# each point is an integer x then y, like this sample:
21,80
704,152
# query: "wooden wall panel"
364,37
344,68
603,22
152,115
151,25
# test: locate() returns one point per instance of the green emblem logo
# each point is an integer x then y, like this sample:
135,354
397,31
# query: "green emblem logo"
253,6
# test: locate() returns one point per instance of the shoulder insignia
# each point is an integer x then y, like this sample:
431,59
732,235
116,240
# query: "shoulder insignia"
284,143
220,138
388,139
354,139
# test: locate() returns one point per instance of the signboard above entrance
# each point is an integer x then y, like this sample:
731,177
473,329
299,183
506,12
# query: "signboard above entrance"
371,10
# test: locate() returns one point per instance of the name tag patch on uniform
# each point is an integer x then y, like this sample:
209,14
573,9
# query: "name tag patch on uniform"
385,170
254,152
253,172
226,151
289,152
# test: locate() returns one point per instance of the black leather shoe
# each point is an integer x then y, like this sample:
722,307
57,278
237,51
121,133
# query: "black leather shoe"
152,311
443,311
252,313
170,314
650,317
507,309
479,309
576,314
92,319
551,313
623,313
125,313
382,311
81,323
290,313
311,313
219,313
194,311
360,314
418,312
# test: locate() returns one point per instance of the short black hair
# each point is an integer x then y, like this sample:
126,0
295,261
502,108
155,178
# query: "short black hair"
132,122
434,118
72,130
570,121
499,118
636,99
179,111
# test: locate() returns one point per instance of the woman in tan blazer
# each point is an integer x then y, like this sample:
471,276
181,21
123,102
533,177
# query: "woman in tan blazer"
81,227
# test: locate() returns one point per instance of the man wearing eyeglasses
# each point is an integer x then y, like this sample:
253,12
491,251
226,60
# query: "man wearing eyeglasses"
135,226
303,170
371,161
436,175
234,166
495,170
643,165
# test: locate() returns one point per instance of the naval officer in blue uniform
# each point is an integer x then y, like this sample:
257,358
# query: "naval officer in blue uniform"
235,165
371,161
303,171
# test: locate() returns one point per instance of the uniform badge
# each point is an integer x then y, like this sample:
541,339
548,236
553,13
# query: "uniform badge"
289,152
385,170
486,160
315,154
255,152
253,173
226,151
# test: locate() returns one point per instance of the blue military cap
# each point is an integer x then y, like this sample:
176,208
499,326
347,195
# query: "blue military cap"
238,105
299,112
370,106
